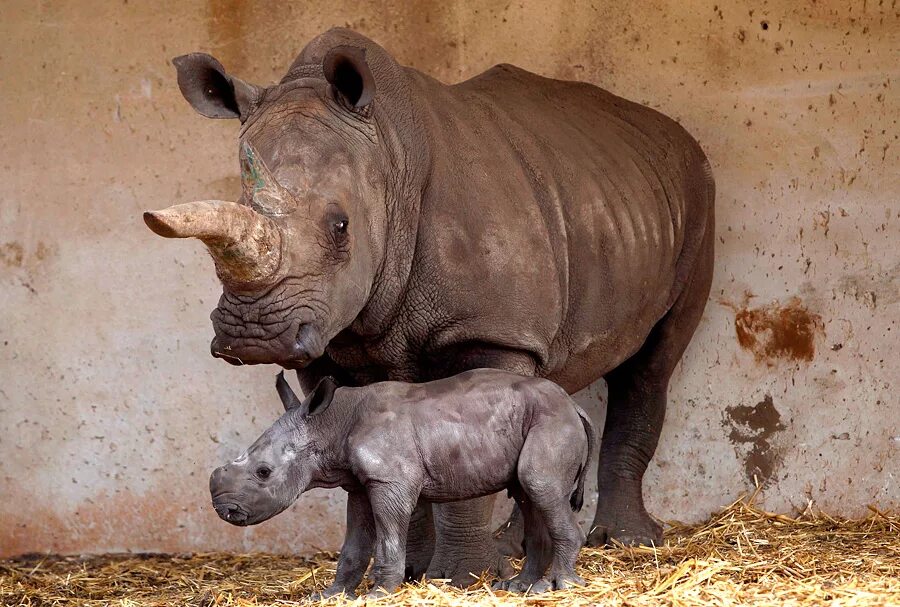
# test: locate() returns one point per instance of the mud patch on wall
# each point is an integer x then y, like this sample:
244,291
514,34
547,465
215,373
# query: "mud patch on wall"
12,254
750,430
777,331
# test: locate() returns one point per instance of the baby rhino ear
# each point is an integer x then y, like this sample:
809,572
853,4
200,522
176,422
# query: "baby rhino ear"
317,400
288,397
321,396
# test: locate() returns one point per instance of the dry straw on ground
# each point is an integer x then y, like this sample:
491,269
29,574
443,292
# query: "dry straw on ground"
742,556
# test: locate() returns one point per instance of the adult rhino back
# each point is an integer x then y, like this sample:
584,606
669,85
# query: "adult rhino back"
581,209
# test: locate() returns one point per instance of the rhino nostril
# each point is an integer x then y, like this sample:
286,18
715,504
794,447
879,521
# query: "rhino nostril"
236,516
308,343
230,513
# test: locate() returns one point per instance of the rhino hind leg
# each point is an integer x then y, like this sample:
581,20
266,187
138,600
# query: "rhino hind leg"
546,467
635,413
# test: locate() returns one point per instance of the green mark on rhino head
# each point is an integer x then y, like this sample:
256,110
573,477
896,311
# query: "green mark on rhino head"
251,172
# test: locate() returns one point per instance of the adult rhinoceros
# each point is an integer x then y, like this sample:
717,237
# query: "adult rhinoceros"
391,226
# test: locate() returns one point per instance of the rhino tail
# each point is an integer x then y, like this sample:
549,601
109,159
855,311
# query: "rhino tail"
577,498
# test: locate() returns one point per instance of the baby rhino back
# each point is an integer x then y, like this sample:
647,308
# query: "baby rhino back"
459,437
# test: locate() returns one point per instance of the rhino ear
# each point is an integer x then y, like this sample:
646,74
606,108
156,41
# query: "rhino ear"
348,72
288,397
211,91
321,396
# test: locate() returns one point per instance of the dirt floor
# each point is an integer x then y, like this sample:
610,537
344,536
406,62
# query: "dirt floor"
741,556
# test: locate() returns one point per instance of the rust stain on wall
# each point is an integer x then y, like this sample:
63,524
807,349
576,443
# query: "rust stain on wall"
754,427
777,331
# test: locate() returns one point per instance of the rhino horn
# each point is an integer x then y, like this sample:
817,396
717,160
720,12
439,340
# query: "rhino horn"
245,245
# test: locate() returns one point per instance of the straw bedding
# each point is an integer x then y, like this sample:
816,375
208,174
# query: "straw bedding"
741,556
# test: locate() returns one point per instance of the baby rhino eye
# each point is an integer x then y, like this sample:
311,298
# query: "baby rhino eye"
263,472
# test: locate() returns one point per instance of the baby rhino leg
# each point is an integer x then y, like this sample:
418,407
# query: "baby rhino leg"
392,507
538,549
548,466
357,550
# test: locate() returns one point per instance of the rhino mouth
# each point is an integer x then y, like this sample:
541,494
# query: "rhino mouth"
231,512
279,327
296,353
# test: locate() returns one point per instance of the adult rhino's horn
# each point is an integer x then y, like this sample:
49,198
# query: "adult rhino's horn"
245,245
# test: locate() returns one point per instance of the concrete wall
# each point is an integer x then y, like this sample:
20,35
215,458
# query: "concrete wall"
112,412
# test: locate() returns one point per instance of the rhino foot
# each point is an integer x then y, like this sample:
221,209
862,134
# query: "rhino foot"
520,583
630,528
330,593
465,571
621,517
635,530
529,585
377,593
560,581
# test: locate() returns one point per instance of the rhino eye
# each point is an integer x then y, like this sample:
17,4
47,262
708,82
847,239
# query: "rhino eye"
263,472
340,226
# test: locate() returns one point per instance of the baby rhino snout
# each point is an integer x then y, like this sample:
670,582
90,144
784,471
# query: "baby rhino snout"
230,512
224,497
217,480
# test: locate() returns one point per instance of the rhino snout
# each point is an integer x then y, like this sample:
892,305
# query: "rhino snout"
217,480
292,350
230,512
225,498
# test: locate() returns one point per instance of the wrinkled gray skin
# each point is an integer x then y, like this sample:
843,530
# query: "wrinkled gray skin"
392,445
544,227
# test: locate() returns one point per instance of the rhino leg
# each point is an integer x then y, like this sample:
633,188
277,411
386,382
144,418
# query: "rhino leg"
635,413
510,537
464,546
420,541
392,506
538,546
357,549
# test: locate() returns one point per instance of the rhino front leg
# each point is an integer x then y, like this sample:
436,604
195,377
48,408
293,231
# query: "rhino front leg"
392,506
357,549
419,541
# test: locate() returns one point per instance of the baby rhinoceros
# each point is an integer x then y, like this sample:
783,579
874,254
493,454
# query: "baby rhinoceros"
391,444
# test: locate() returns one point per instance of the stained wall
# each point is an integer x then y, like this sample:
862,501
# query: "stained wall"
112,412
